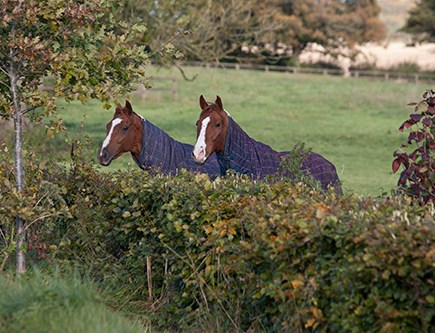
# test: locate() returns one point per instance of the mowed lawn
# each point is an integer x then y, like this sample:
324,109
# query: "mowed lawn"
352,122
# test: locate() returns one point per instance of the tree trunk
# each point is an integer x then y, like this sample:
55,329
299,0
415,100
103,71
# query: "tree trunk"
18,163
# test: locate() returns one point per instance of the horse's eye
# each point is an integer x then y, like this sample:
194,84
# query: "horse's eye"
218,125
125,128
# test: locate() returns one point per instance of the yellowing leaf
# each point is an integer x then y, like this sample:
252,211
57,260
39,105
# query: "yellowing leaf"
421,106
296,284
310,322
137,213
208,230
317,313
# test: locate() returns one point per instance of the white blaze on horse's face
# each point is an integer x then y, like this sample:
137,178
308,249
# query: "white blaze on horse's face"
199,152
106,141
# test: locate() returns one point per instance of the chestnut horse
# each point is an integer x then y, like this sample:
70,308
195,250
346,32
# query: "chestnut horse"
150,147
236,150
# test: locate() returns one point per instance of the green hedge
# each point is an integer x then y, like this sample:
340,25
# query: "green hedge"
251,255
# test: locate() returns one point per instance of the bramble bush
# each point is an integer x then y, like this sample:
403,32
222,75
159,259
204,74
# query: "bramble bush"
417,156
243,255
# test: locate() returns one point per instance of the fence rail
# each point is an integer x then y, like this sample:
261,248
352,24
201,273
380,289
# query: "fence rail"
421,77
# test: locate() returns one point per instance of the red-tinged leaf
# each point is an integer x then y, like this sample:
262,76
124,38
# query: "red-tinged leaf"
431,109
396,165
406,124
432,145
403,179
427,122
416,117
411,137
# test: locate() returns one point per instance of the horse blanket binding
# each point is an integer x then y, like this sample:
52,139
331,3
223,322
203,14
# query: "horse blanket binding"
248,156
162,152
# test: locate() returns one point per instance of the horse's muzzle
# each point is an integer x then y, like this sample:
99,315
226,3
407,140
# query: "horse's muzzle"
199,161
104,157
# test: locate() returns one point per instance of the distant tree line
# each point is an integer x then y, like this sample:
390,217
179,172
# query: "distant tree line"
270,31
421,21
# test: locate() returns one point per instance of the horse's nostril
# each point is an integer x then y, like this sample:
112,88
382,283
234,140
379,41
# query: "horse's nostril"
104,154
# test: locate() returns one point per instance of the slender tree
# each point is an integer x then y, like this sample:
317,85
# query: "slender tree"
79,44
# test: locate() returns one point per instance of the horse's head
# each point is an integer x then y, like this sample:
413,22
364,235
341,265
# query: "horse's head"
212,128
120,137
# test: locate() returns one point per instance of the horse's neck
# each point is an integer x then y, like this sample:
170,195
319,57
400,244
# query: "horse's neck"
246,155
157,148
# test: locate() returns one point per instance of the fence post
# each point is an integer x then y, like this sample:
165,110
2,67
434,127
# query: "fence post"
266,68
142,91
416,77
387,76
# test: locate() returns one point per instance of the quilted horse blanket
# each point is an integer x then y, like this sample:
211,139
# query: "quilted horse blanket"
248,156
162,152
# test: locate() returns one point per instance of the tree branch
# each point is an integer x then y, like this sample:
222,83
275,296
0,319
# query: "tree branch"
5,115
23,112
5,260
4,71
184,74
5,84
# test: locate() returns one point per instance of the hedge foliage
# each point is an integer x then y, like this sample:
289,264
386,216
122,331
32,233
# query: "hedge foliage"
254,255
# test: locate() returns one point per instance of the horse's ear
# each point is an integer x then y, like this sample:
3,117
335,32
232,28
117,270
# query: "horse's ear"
118,108
202,102
218,101
128,107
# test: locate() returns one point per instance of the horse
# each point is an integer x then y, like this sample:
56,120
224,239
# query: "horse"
150,147
218,133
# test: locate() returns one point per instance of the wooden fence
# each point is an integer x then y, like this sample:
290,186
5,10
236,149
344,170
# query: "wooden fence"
421,77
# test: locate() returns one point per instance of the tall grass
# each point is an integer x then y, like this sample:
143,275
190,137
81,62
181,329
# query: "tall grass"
48,303
352,122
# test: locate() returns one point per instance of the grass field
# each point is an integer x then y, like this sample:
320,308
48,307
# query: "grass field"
352,122
50,303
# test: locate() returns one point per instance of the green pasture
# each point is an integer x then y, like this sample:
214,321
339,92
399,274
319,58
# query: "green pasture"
352,122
